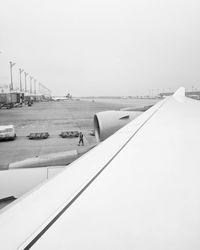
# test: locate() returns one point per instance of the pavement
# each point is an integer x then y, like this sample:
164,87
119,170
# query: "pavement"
52,117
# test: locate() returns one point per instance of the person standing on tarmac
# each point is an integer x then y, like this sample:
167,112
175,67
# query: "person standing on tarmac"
81,139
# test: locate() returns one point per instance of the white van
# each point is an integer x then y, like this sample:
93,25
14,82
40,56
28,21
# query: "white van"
7,132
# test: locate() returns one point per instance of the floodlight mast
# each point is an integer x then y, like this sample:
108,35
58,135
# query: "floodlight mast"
20,78
25,75
12,64
35,86
31,84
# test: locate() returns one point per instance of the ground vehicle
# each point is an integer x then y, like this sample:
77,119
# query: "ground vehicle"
7,132
9,100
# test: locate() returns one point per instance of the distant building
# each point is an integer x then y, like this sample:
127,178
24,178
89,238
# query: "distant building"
192,94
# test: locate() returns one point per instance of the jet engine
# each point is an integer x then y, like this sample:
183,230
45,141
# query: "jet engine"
108,122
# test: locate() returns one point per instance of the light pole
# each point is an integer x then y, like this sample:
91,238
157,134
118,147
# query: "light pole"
25,75
12,64
31,84
20,78
35,86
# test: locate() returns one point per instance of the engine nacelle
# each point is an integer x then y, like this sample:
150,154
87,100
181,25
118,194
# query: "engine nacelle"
108,122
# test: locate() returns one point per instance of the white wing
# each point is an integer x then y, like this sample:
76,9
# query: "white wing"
139,189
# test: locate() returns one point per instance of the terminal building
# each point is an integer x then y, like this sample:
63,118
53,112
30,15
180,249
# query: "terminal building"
191,94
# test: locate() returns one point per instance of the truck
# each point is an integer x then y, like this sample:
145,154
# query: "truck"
9,100
5,100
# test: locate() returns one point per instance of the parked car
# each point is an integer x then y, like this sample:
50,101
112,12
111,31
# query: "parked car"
7,132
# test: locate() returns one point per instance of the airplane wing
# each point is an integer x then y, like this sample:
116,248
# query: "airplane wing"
139,189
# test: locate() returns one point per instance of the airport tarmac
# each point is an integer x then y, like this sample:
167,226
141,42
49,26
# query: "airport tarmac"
51,117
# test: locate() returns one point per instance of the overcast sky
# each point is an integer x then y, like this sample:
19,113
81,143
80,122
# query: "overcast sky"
105,47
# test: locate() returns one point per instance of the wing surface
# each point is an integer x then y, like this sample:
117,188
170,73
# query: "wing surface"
139,189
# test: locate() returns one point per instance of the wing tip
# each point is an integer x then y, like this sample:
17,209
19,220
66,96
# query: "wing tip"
179,94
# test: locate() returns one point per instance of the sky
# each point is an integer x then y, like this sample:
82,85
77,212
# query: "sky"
102,48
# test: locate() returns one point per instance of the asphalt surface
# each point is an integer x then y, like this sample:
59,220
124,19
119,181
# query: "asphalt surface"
51,117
